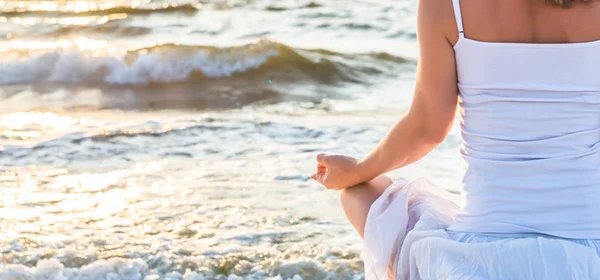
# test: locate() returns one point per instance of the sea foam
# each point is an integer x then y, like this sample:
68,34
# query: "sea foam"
157,65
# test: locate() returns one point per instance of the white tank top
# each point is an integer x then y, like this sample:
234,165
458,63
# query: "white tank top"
531,137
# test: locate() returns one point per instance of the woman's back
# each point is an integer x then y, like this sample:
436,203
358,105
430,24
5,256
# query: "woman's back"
530,21
530,122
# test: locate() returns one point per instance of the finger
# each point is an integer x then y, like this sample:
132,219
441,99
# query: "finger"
321,158
321,168
314,177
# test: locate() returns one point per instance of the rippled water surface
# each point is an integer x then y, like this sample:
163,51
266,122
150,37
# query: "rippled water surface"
174,140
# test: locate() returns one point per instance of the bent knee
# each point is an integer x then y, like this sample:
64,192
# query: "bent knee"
366,192
345,197
357,201
353,195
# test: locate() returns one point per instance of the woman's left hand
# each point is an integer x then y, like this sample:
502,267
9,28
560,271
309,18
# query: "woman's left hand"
337,172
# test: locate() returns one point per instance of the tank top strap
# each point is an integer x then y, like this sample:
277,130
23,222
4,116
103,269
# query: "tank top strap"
458,16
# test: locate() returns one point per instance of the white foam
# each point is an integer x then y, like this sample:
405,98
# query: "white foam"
113,269
75,66
278,277
137,269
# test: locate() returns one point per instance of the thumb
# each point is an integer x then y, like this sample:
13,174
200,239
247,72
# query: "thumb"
322,159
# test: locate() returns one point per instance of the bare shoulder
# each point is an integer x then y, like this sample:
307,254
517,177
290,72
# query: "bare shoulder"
437,16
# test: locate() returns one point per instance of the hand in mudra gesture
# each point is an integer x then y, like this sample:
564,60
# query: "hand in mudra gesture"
337,172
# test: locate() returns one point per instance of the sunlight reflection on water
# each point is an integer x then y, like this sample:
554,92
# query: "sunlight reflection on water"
173,139
71,6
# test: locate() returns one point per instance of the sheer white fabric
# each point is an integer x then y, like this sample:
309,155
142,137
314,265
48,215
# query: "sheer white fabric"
406,237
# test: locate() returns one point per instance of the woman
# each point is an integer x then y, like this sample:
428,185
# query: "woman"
526,77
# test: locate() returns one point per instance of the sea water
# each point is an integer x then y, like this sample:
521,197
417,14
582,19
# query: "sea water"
176,139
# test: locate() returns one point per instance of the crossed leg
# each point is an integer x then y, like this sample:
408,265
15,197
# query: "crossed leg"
357,201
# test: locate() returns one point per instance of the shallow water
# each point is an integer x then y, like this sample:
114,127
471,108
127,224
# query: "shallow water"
174,140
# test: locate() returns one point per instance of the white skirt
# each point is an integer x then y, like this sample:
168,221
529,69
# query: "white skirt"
406,237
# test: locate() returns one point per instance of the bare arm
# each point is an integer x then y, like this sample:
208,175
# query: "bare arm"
434,105
430,116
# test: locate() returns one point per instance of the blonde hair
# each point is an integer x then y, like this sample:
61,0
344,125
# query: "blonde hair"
565,3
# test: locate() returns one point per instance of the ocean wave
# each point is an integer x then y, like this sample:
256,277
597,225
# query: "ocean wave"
264,61
184,8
